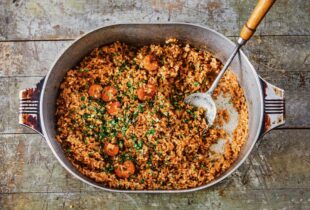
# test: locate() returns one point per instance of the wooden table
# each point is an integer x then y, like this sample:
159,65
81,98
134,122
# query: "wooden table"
275,176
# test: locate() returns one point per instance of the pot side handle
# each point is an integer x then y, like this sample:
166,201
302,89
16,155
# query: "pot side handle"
29,107
274,107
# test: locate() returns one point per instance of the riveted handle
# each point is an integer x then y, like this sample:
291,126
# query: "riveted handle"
261,9
29,109
274,107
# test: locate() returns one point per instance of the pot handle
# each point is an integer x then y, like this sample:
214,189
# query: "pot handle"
274,107
29,107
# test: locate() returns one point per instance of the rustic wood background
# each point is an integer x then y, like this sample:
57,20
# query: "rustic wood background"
275,176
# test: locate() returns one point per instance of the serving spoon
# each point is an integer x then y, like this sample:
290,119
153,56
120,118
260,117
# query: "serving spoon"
205,100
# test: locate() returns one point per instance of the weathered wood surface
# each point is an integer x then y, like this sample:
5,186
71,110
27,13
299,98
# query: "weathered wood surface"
274,176
267,53
32,33
47,19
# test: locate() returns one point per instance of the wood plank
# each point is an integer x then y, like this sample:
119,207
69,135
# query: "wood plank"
28,165
69,19
286,17
207,199
9,91
29,58
46,19
280,54
276,175
277,162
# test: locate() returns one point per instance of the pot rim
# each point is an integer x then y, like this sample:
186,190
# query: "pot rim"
213,182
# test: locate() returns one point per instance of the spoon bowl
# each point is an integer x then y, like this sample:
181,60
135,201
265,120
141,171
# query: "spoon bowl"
205,101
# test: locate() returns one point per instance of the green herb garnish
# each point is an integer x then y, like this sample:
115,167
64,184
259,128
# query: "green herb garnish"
120,144
138,145
84,70
140,108
86,116
123,66
134,137
129,85
196,84
97,80
113,122
109,168
150,132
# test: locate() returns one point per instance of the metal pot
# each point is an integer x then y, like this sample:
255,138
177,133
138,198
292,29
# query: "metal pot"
265,101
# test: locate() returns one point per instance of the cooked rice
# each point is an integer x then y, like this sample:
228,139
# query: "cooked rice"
168,141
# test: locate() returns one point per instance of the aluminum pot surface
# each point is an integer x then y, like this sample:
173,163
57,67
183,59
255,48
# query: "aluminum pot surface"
265,101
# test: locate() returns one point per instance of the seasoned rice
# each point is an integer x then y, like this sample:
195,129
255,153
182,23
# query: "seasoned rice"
121,119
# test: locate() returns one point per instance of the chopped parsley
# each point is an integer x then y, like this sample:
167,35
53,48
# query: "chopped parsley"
86,116
97,80
149,161
123,66
129,85
124,129
110,168
84,70
138,145
150,132
135,115
134,137
150,103
126,156
120,144
140,108
113,122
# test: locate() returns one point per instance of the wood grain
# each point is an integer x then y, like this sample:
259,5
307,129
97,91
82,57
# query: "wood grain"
208,199
29,58
287,17
267,53
274,176
47,19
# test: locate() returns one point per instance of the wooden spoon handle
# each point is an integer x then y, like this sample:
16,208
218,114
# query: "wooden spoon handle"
256,17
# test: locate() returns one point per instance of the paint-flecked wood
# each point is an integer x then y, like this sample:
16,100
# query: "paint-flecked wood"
267,53
275,175
208,199
45,19
29,58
